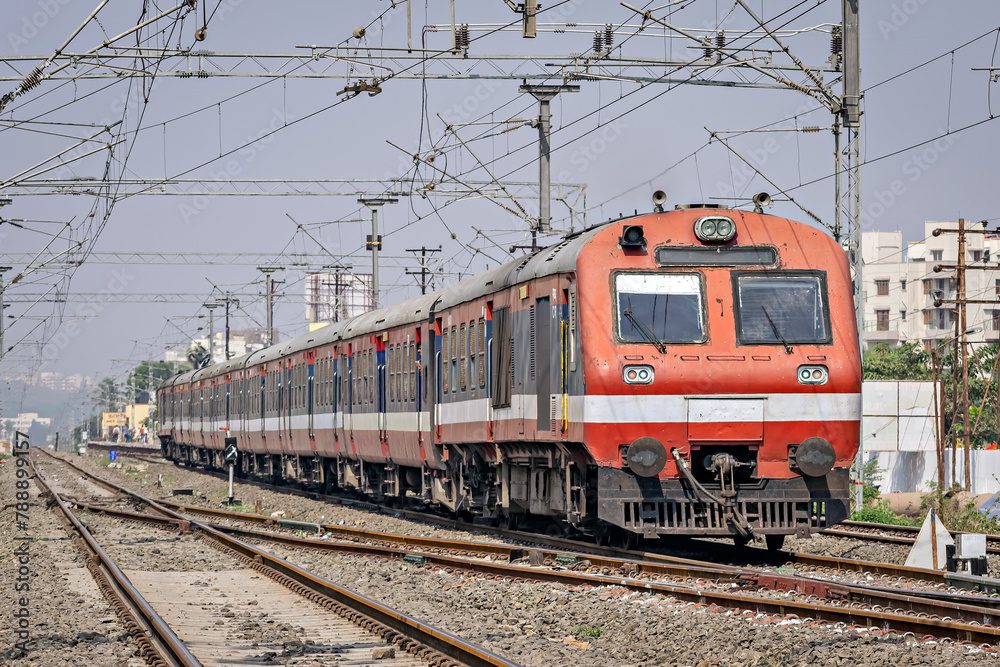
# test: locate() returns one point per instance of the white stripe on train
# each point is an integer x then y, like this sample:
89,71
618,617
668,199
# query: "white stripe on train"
628,409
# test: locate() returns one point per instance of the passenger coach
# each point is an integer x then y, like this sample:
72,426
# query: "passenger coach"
692,372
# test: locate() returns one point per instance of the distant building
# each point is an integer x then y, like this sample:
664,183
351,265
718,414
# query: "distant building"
35,427
331,297
55,381
900,286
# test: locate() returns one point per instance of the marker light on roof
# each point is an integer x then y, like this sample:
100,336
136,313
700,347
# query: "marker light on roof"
714,229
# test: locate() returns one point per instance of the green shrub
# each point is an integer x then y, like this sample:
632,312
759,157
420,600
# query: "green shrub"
958,515
590,631
880,512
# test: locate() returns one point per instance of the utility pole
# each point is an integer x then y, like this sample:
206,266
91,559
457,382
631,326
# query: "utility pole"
423,272
374,241
962,330
3,270
211,330
544,94
963,318
269,289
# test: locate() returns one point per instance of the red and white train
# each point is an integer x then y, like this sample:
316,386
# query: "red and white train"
691,372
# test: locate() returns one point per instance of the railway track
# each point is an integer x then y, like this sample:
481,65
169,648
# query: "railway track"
800,560
889,533
924,613
179,622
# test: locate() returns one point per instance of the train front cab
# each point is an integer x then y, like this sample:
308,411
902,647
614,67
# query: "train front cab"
703,413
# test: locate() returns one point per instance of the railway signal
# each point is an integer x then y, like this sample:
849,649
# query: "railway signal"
231,454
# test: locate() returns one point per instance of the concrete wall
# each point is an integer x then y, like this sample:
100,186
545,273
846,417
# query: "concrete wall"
898,416
911,471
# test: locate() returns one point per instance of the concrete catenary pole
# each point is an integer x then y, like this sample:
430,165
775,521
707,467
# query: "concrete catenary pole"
544,94
848,199
269,293
211,330
3,270
374,241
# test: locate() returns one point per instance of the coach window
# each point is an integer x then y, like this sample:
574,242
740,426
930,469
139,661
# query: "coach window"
413,371
482,353
660,308
781,308
462,357
372,370
454,359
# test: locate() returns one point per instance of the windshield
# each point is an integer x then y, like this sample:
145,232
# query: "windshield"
782,309
659,308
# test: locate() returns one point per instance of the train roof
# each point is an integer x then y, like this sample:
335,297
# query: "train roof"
559,258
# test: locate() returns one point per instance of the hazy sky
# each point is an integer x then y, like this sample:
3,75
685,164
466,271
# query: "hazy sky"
620,161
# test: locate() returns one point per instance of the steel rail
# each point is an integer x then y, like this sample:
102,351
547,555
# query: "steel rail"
447,644
977,628
949,606
163,638
992,541
762,555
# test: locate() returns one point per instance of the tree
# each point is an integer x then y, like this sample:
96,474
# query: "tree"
149,375
106,396
198,356
908,361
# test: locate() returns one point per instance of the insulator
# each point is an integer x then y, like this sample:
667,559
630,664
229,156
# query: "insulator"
720,39
32,80
609,35
811,128
463,36
836,41
598,41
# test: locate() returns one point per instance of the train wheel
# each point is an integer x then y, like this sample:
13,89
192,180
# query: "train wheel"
626,539
774,542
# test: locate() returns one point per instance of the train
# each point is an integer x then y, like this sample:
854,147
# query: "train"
684,372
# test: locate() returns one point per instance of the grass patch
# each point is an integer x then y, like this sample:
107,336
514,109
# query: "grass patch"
880,512
590,631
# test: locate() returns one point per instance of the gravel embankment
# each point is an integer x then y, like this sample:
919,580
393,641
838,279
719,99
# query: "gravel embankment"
70,622
545,624
211,491
539,624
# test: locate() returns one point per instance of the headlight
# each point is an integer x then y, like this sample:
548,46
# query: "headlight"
637,374
714,229
813,375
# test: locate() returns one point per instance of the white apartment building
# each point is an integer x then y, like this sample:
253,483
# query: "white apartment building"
900,285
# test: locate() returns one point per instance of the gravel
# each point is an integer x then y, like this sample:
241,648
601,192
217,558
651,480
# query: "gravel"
70,621
539,624
544,624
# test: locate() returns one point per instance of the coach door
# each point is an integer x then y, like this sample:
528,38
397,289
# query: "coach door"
381,354
541,362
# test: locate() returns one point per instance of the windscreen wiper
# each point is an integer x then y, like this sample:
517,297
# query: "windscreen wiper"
646,333
774,328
